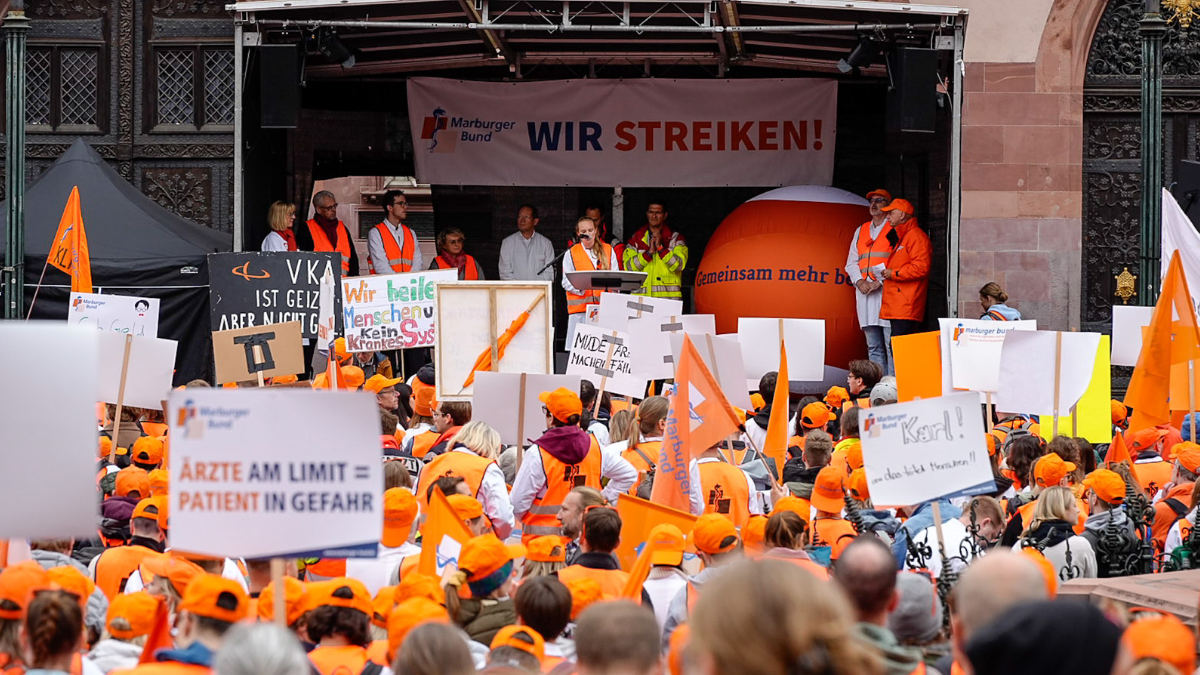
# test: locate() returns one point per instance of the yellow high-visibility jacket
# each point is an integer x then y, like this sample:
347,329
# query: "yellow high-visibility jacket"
663,268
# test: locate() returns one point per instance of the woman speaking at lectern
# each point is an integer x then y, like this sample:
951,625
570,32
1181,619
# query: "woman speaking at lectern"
589,254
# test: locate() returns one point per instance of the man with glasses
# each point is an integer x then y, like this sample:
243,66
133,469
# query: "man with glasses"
869,250
326,233
391,246
385,391
659,252
524,253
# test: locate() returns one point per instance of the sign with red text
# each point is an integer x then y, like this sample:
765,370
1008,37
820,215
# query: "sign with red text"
638,133
245,486
391,311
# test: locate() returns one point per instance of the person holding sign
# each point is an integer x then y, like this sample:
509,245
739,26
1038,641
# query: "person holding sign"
326,233
450,242
906,274
659,252
589,254
869,250
391,246
281,217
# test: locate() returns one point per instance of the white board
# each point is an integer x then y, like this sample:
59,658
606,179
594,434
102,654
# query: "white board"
616,309
1027,365
245,486
49,389
805,340
921,450
1127,325
604,357
652,356
326,321
391,311
466,330
497,401
973,347
151,370
722,355
114,313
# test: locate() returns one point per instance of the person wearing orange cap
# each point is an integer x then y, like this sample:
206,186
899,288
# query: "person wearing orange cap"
563,458
870,249
906,273
421,434
726,488
1120,416
718,546
384,389
850,446
601,536
146,453
518,647
160,482
1052,531
666,578
544,604
754,534
210,606
1106,502
112,568
294,603
339,623
485,565
1161,637
812,417
399,513
1148,450
835,398
472,456
130,616
829,528
962,543
1048,471
545,556
1173,501
407,615
18,583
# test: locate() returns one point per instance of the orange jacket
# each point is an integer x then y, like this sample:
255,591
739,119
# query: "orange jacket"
835,533
904,293
1165,516
579,303
611,582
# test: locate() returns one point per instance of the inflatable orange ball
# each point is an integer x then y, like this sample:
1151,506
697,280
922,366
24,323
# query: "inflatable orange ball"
783,254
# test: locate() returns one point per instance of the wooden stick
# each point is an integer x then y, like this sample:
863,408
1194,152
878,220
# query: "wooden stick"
116,432
991,412
280,593
1075,421
258,359
604,378
492,330
937,528
712,356
1057,378
35,294
521,424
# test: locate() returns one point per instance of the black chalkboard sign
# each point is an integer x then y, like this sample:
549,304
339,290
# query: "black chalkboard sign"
258,289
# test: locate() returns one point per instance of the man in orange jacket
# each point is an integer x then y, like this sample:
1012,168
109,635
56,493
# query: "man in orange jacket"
906,274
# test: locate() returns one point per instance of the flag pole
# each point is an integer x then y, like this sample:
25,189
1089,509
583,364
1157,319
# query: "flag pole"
1057,378
38,287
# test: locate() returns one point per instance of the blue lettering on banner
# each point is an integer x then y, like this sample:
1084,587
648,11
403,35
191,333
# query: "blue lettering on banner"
546,136
806,274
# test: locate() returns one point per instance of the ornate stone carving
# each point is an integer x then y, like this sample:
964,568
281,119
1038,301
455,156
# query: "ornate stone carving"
73,29
68,9
1116,54
55,150
192,28
125,78
1132,103
187,191
187,8
194,150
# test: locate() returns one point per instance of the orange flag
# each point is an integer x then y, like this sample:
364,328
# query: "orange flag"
160,633
777,431
441,522
1172,337
638,518
1117,451
69,252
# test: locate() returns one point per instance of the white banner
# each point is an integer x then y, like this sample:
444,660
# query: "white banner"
1178,234
115,313
972,348
633,133
391,311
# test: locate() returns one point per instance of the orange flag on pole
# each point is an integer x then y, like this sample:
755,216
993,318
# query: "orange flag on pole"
160,633
1117,451
69,252
1172,337
638,518
442,522
775,446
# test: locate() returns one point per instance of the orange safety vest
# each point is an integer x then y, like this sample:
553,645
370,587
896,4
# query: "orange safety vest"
322,243
578,303
423,443
835,533
650,449
821,573
1153,475
468,466
166,668
339,660
470,271
870,253
561,478
725,491
377,653
116,565
611,582
856,403
399,259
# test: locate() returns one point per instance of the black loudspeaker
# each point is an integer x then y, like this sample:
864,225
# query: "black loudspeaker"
912,101
279,88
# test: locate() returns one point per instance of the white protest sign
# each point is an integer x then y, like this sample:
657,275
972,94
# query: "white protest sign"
56,363
151,370
927,449
972,348
722,355
115,313
326,322
603,356
391,311
498,400
245,486
1028,361
616,309
805,340
652,357
1127,324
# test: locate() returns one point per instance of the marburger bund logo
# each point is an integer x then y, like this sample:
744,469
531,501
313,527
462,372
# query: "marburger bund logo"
444,132
193,419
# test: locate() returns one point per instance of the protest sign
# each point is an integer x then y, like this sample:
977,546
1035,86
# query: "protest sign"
921,450
653,358
1037,366
115,313
722,355
391,311
604,357
972,349
1127,325
51,492
260,289
148,376
245,486
616,309
1092,418
805,340
326,319
498,326
918,361
246,353
509,403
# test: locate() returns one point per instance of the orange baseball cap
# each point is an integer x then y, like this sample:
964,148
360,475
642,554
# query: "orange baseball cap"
17,585
829,491
137,609
854,456
815,415
381,606
585,591
521,637
1049,573
340,592
339,350
902,205
835,397
1165,638
417,585
757,402
178,571
798,506
670,545
399,512
424,398
754,535
148,508
132,479
160,482
147,450
1050,469
857,485
408,615
1119,412
1187,454
74,582
377,382
714,533
1108,485
215,597
562,403
880,193
466,508
293,601
284,379
353,377
105,447
1144,439
547,548
481,556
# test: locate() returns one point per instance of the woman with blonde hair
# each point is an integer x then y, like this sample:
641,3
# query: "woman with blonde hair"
992,299
1051,531
810,631
590,254
450,242
473,458
645,434
281,217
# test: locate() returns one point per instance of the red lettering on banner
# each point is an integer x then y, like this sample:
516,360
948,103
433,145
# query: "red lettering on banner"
675,134
721,135
795,132
766,135
649,128
740,135
701,131
628,141
698,136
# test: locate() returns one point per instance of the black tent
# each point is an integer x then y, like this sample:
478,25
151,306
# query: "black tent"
137,248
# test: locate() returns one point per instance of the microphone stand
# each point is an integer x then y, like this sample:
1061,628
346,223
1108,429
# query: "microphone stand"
557,258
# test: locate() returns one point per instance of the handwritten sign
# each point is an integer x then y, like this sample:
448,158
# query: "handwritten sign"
259,289
922,450
244,485
242,354
604,357
392,311
972,348
115,313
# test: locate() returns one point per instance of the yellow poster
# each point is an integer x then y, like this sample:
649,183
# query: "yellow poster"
1095,413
